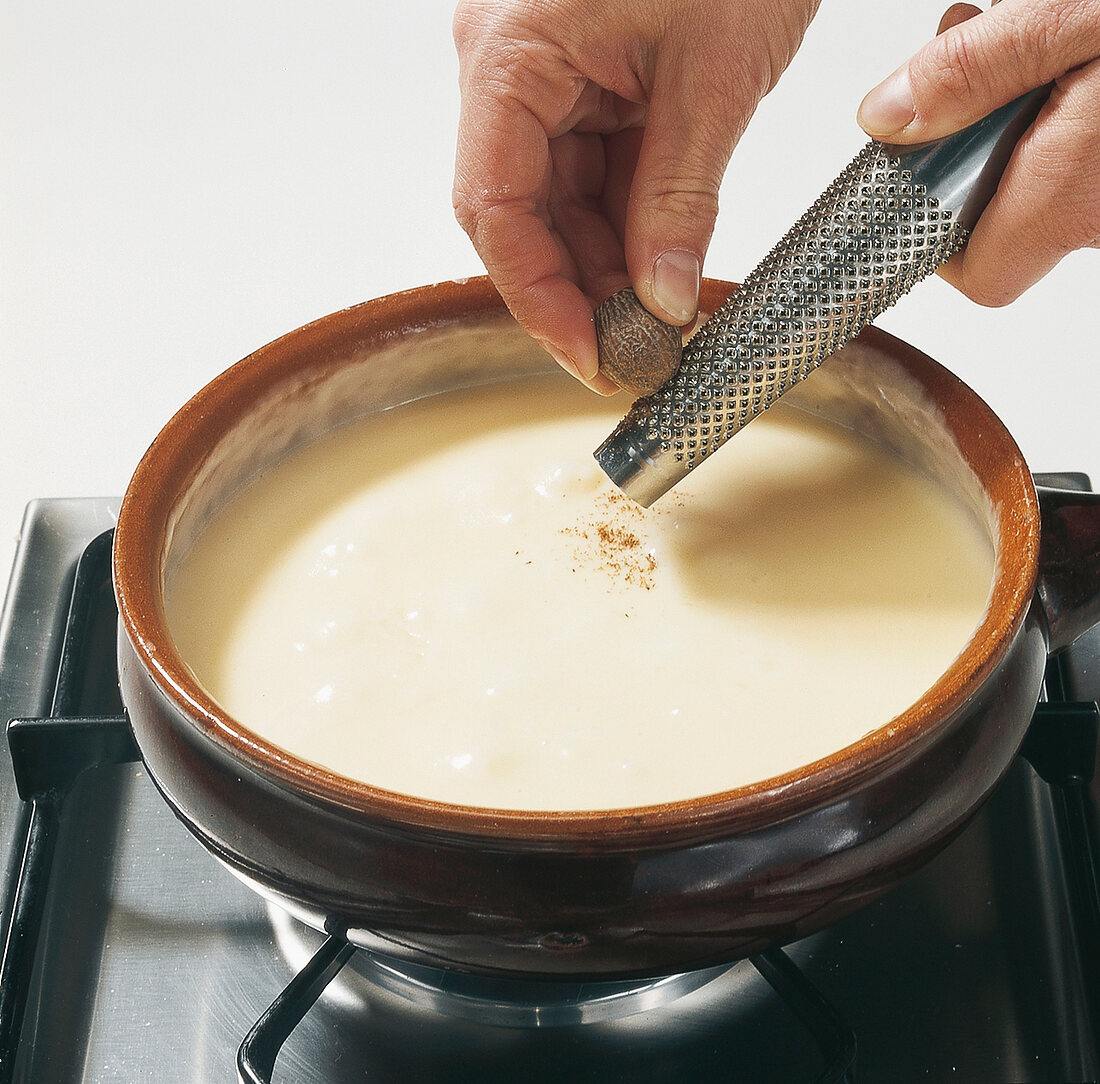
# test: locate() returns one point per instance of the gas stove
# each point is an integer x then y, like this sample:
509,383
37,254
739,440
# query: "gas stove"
132,955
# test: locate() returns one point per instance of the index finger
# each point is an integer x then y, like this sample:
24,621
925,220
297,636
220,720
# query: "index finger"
502,182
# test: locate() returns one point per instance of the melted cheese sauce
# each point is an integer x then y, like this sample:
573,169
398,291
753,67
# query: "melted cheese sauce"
451,600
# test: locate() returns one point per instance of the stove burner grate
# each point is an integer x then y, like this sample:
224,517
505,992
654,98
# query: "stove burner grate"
832,1034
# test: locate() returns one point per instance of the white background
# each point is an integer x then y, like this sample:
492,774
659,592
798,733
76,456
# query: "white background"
180,183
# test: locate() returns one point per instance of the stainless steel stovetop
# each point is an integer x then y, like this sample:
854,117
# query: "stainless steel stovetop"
153,962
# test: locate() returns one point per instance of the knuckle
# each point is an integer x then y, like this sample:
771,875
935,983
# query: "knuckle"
473,209
471,203
477,20
1076,220
677,210
948,69
688,203
504,48
462,26
1034,38
466,214
1019,47
495,55
1049,27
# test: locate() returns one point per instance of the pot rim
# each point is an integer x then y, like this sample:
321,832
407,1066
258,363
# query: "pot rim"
142,536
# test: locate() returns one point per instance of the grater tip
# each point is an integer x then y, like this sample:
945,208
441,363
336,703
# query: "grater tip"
633,463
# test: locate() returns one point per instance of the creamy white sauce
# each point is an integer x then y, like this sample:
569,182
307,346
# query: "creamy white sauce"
452,601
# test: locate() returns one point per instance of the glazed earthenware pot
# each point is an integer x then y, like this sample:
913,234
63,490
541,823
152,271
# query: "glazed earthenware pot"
607,894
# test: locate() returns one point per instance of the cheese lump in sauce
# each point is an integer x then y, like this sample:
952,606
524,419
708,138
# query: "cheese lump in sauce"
449,599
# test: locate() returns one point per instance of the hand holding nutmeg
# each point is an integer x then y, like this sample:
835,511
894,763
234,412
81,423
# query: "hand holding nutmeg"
591,146
636,350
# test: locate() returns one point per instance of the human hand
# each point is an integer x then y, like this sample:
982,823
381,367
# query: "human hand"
1048,201
592,141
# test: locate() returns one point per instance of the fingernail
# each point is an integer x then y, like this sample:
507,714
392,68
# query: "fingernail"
567,363
889,107
583,369
676,284
588,364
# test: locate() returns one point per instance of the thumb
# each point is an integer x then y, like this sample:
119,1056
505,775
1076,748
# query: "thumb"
977,66
673,200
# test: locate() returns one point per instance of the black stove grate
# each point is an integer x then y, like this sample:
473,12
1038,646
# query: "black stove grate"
48,755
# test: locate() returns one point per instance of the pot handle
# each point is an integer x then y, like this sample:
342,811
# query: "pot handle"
1069,563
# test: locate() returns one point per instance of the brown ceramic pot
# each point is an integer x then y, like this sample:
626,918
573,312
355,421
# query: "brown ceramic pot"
626,892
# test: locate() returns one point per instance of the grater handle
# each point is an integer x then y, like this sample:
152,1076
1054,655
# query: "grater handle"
889,220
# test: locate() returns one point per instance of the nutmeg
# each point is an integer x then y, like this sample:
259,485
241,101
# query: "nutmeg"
637,350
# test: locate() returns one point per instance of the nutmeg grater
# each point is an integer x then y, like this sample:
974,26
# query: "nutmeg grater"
893,216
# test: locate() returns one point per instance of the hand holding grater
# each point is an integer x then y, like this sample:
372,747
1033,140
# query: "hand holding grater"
889,220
